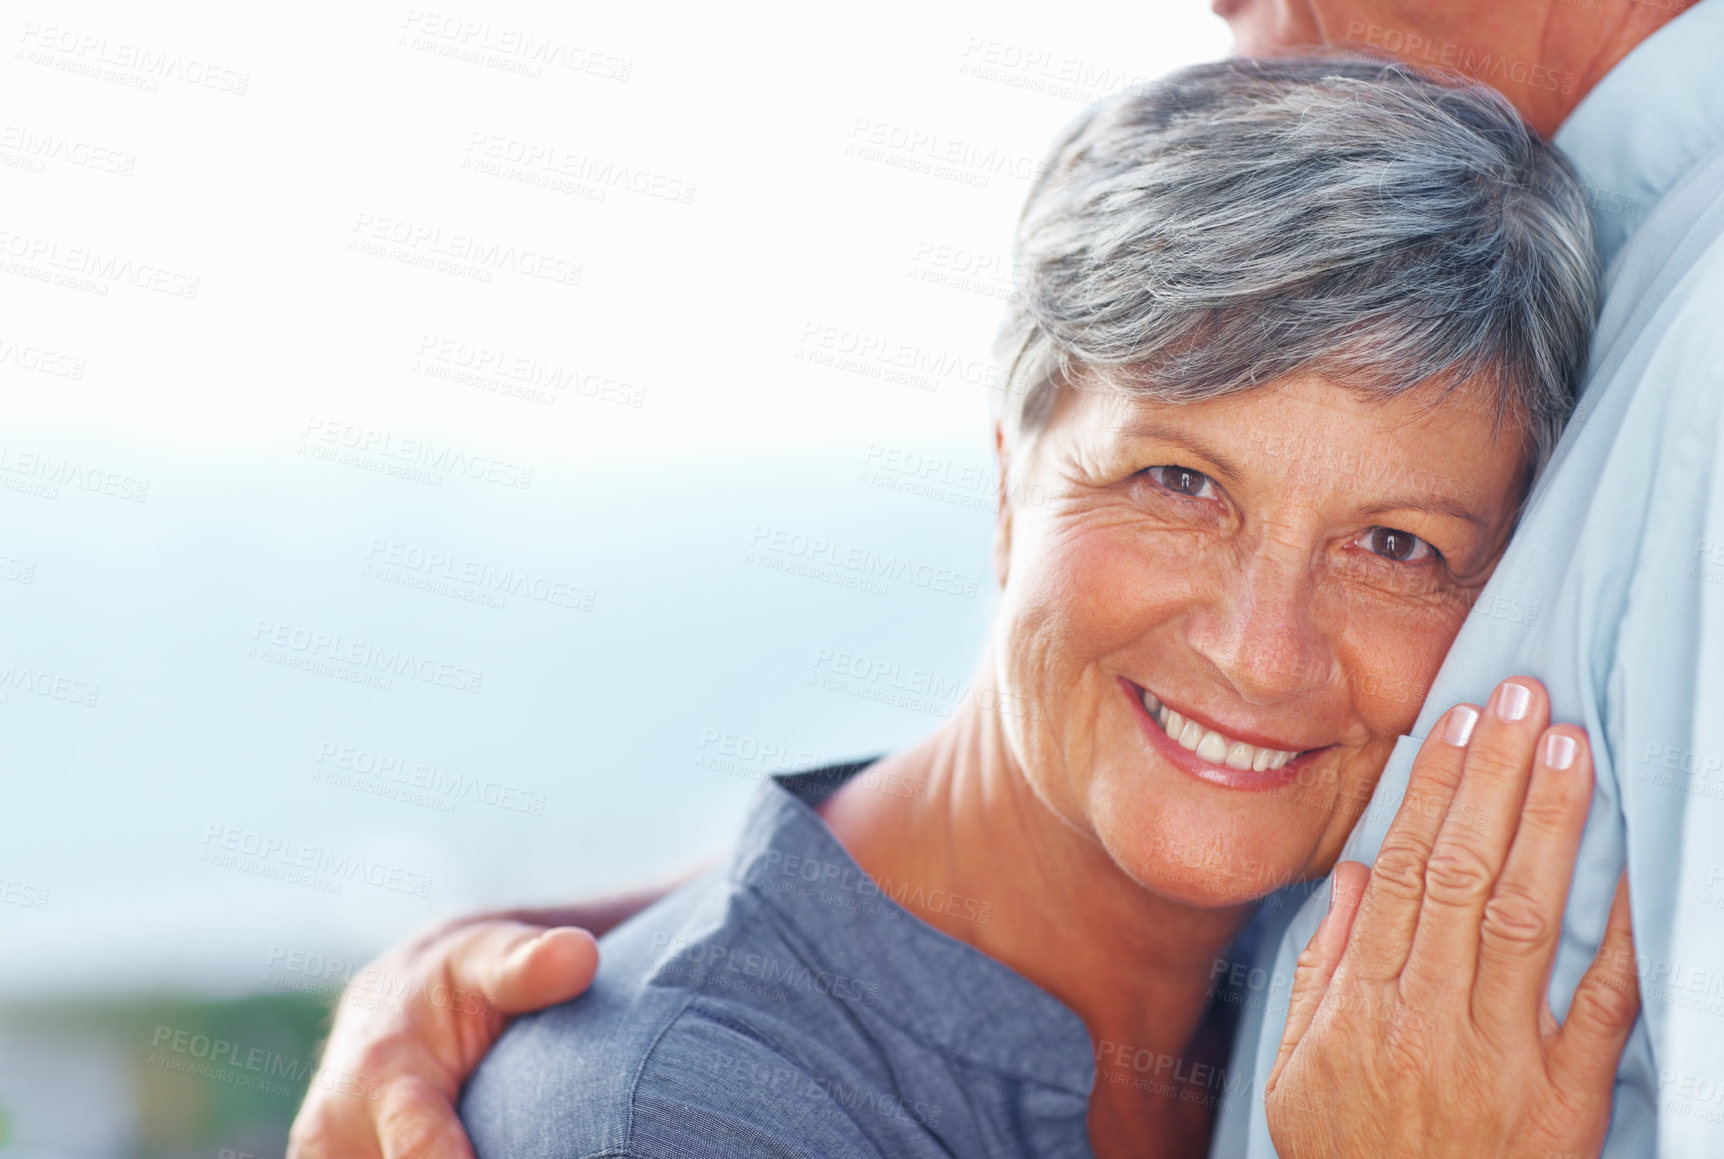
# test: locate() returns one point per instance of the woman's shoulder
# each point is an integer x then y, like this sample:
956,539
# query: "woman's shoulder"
690,1039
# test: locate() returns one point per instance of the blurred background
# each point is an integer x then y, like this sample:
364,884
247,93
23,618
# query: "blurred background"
450,456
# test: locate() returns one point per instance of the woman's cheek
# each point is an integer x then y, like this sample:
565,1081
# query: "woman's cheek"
1122,580
1086,589
1394,650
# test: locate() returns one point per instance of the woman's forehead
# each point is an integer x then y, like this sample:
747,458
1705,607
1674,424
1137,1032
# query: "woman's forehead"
1314,397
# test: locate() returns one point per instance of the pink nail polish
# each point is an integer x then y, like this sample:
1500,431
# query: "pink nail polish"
1512,701
1458,729
1559,751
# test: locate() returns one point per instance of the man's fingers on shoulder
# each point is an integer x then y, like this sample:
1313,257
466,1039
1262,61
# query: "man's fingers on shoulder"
554,967
415,1120
316,1134
518,967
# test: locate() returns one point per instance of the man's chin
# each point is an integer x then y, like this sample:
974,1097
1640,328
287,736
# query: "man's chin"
1269,27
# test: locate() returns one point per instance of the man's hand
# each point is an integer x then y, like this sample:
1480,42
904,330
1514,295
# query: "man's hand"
1419,1025
414,1024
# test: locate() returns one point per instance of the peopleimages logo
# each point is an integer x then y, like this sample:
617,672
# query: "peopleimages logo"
478,574
23,895
39,148
107,269
230,839
51,363
921,689
54,685
472,40
50,472
235,1064
1040,71
932,152
820,551
865,351
552,161
483,254
830,882
389,768
273,641
511,372
1494,68
144,67
371,988
420,453
716,961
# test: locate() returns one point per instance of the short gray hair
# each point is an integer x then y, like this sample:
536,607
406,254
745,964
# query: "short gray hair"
1240,221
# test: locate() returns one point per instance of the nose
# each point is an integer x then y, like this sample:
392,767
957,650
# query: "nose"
1259,624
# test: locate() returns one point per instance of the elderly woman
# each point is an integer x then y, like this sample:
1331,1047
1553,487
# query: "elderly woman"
1294,338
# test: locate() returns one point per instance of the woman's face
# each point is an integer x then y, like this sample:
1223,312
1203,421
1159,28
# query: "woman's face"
1284,568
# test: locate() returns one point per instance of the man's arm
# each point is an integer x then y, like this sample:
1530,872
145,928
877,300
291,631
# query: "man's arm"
393,1067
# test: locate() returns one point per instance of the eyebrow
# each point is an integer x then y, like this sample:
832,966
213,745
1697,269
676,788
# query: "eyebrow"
1429,504
1151,429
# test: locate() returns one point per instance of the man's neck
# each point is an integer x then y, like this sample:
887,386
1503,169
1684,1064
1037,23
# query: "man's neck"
963,841
1543,55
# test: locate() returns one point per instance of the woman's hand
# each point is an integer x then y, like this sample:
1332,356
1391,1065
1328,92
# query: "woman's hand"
1419,1024
415,1023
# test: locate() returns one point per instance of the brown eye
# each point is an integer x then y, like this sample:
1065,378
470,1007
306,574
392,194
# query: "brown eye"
1183,481
1397,545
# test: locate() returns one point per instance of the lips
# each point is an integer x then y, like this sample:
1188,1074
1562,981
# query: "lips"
1211,744
1280,766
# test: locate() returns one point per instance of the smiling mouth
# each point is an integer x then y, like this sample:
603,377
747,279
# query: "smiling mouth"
1210,745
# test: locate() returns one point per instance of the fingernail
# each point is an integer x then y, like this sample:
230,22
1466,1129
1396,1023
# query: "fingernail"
1512,701
1559,750
1459,729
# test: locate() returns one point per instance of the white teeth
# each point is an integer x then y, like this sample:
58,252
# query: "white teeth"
1211,745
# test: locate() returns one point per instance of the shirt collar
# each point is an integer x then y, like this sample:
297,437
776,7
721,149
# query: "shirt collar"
1650,122
935,988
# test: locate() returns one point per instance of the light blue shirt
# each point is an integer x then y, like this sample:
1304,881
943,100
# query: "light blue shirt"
1612,593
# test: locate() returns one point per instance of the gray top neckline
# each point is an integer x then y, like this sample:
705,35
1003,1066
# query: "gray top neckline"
945,992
